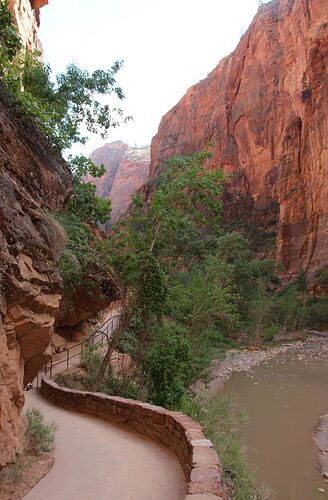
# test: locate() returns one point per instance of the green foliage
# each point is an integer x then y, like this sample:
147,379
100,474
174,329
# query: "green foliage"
203,296
87,205
61,106
253,281
317,312
321,277
183,216
112,385
80,259
221,422
157,251
301,281
39,435
81,166
127,386
84,203
166,363
10,42
91,361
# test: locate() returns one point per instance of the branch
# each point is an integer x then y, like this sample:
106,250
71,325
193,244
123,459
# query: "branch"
158,225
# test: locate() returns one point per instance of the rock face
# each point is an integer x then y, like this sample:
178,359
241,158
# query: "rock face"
78,304
265,109
33,180
126,171
27,17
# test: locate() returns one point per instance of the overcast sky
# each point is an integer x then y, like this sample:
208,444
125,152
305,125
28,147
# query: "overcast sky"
166,45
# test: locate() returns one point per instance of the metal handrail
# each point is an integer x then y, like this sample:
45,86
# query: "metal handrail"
104,331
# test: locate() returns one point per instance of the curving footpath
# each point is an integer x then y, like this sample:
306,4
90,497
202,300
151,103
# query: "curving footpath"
100,459
96,459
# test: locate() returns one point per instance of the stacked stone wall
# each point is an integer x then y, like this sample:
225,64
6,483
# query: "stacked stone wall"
174,430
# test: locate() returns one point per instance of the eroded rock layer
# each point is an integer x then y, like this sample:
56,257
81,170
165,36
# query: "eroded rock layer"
33,181
126,171
27,18
265,109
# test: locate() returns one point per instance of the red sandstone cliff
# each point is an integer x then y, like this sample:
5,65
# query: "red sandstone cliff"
265,108
126,171
33,180
27,18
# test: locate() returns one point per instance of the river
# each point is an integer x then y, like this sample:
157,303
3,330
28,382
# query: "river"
283,398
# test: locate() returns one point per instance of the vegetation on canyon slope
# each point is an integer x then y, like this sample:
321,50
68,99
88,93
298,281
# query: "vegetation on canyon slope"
188,290
61,106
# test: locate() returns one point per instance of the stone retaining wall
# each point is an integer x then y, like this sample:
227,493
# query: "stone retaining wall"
173,429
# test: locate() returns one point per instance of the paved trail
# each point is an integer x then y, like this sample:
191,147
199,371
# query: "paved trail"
97,460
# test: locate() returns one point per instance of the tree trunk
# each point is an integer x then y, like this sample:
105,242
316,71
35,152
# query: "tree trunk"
112,344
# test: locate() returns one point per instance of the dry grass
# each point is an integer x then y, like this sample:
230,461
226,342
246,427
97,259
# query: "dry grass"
18,479
52,231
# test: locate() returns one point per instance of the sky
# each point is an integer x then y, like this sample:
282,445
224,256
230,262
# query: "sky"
166,45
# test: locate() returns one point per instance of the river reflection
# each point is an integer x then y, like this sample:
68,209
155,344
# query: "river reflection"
283,398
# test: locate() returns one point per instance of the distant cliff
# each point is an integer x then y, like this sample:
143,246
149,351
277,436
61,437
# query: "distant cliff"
126,171
265,109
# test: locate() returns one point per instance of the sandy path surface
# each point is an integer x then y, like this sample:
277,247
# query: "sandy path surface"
97,460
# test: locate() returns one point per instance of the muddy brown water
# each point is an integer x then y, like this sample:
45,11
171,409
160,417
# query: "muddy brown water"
283,399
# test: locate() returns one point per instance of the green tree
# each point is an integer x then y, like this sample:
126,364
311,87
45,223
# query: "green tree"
165,365
61,107
84,203
159,239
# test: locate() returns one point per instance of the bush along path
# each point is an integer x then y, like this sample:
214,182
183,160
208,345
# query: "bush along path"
35,458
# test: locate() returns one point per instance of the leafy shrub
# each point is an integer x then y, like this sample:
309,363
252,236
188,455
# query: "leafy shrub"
270,332
10,43
59,106
91,360
317,312
321,277
85,204
127,386
166,363
39,435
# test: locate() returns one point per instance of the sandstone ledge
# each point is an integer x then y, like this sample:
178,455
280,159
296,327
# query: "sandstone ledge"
173,429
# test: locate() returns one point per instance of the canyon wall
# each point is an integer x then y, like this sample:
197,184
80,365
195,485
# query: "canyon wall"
27,18
126,171
265,109
33,181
